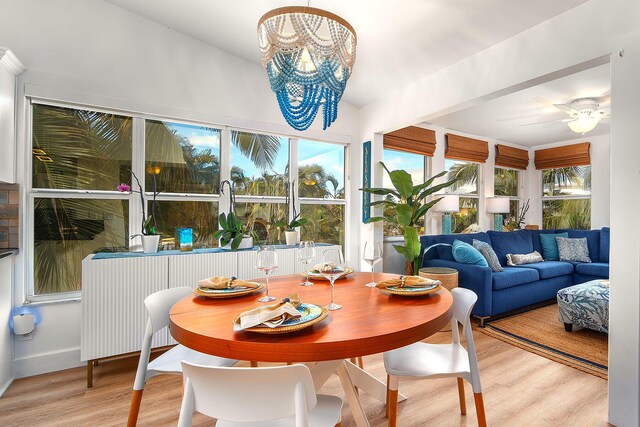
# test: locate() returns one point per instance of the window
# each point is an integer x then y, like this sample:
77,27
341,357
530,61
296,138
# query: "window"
506,183
321,177
80,156
182,158
467,188
415,165
77,157
566,197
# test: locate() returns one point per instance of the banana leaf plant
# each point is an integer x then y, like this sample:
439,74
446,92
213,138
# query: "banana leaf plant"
405,205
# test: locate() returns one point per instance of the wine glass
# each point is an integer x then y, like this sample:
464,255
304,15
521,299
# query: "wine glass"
372,254
306,251
333,266
267,261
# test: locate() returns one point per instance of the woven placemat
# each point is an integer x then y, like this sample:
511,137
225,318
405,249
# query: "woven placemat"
411,293
228,293
287,329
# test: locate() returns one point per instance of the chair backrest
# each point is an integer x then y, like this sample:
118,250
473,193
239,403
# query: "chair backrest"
463,302
250,394
159,305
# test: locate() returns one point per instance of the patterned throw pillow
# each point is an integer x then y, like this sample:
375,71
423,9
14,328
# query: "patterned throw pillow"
489,254
519,259
573,249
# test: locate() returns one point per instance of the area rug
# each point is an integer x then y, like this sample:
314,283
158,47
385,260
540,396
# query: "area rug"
539,331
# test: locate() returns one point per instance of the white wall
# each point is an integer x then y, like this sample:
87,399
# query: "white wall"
92,52
624,318
600,180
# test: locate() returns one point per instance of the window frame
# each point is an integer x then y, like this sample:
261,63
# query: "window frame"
138,167
426,168
479,188
517,198
544,198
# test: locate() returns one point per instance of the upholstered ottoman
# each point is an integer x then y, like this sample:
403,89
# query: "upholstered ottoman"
585,305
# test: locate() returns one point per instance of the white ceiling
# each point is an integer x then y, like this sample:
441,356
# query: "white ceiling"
503,118
398,41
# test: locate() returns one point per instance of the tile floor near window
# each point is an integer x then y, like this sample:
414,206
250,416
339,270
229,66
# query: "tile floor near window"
520,389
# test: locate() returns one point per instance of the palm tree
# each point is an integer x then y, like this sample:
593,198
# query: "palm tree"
261,149
315,182
506,182
465,173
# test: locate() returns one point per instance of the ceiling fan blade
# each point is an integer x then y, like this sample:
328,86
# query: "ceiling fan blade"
565,108
540,123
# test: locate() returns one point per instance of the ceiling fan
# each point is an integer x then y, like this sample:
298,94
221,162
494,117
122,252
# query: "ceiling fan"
584,114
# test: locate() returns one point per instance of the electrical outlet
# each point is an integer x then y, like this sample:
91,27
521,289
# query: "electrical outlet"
27,337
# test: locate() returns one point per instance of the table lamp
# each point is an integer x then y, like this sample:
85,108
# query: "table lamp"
449,204
497,206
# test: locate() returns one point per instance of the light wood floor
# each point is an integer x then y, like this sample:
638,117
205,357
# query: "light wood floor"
520,389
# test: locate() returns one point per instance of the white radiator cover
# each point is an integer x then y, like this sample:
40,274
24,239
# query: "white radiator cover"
114,289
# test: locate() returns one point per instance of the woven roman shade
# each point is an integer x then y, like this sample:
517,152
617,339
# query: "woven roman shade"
412,139
563,157
511,157
467,149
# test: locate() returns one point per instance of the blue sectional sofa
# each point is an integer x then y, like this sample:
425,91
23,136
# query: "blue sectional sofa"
517,287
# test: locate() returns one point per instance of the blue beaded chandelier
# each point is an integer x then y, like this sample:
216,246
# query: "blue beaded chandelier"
308,54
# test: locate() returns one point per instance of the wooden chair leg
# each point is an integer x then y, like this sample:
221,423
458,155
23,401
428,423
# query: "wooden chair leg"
463,403
89,373
482,419
135,408
339,424
254,364
360,362
386,403
393,408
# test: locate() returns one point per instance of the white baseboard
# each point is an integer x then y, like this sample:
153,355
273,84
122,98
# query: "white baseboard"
47,362
5,386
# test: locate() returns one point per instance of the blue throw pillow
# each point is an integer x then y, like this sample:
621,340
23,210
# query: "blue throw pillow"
550,246
467,254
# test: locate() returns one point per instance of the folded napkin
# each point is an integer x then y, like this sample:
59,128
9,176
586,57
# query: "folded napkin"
225,283
272,315
408,282
324,266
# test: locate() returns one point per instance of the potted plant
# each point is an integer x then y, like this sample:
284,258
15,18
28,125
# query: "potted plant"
516,222
291,235
405,205
232,233
148,233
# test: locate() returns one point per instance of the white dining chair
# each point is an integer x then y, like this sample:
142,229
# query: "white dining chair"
266,397
422,360
158,306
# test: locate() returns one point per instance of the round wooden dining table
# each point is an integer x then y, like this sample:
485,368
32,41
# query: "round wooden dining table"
369,322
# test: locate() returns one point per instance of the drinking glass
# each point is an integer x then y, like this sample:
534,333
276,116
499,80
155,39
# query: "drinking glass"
333,266
372,254
306,251
267,261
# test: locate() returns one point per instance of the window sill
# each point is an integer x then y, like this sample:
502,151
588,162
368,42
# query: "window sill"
59,298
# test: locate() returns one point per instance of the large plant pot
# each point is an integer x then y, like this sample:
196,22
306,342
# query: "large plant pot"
246,243
291,237
150,244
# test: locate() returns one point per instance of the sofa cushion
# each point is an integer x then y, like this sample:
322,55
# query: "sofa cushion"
550,246
593,241
511,242
489,254
549,269
573,249
443,251
594,269
513,276
604,245
467,254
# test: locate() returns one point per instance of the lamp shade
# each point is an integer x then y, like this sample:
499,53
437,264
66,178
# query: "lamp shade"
497,205
449,203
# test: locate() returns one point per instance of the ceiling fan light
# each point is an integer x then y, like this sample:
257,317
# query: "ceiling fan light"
583,123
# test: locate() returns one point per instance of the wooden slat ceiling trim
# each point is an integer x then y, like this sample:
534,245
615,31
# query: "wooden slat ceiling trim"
467,149
511,157
562,157
411,139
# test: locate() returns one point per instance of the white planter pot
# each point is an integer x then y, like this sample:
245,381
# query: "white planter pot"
246,243
150,244
291,237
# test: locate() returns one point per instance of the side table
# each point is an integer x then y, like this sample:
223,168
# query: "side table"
448,277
